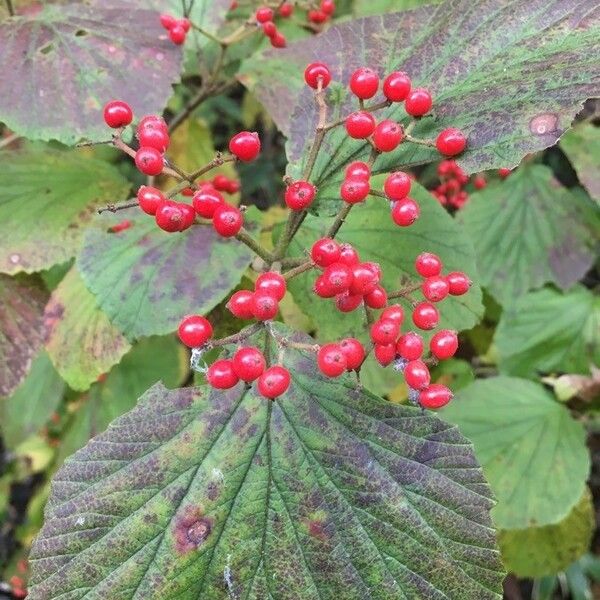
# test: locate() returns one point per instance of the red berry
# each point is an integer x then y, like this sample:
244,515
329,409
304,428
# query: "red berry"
274,382
264,306
435,396
167,21
479,182
194,331
364,83
347,302
504,172
348,255
396,86
387,136
150,199
188,215
337,278
234,187
325,252
331,360
286,10
152,122
206,202
249,363
315,72
300,194
245,145
425,316
416,374
278,40
360,124
397,185
410,346
240,304
354,352
269,28
358,170
149,161
317,16
328,6
364,279
353,191
435,288
271,283
385,331
451,142
221,374
405,212
169,216
428,264
418,102
117,114
221,183
322,289
177,34
264,14
458,283
384,353
227,220
377,298
444,344
154,138
394,312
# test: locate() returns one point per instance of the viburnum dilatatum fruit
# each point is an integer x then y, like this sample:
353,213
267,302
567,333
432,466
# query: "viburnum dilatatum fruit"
334,268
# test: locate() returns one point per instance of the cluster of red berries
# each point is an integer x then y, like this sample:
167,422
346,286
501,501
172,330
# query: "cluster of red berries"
265,18
177,28
261,304
323,13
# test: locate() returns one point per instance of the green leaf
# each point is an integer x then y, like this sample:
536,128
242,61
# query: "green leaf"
68,60
370,229
22,301
532,452
540,551
513,89
146,280
582,147
519,233
32,403
364,8
151,360
62,189
81,341
326,492
548,331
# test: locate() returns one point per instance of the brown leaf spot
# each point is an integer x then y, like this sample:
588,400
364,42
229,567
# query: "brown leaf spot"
544,124
191,530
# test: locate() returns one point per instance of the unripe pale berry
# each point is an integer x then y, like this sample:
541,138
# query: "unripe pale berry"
194,331
331,360
435,288
428,264
227,220
354,352
360,124
364,83
117,114
418,102
396,86
410,346
397,185
149,161
249,363
444,344
416,374
150,199
316,71
221,374
451,142
405,212
299,195
245,145
271,283
387,135
435,396
240,304
274,382
425,316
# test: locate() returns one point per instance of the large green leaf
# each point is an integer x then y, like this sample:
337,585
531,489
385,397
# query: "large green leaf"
81,341
370,229
518,227
62,63
21,328
32,403
326,492
539,551
548,331
146,280
151,360
61,189
512,75
582,146
532,452
364,8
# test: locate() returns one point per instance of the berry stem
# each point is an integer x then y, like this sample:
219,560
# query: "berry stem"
378,194
368,315
414,140
207,34
405,292
245,237
115,207
89,144
236,337
306,266
372,108
9,8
